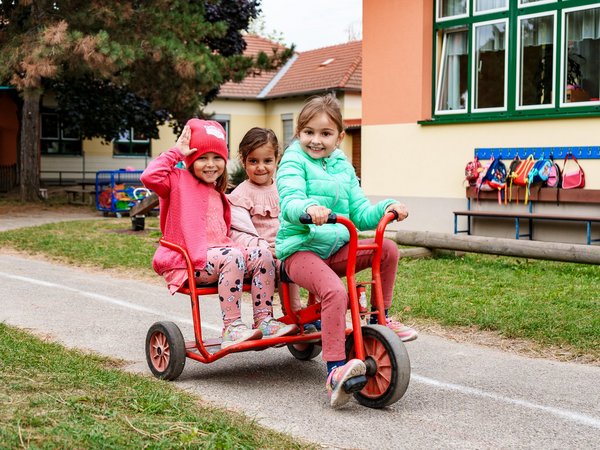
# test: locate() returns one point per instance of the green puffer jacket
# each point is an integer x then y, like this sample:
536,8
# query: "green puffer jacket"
302,182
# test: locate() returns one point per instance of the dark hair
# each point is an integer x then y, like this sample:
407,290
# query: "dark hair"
257,137
321,104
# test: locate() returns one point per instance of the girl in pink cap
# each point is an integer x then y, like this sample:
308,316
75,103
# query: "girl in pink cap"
195,214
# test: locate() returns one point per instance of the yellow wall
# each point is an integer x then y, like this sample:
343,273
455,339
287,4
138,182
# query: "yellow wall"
242,114
429,161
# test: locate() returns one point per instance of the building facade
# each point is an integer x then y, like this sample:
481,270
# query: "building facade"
446,79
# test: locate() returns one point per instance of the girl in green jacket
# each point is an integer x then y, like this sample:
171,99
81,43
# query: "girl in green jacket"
315,177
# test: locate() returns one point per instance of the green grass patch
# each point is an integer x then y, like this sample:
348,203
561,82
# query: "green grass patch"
51,397
550,303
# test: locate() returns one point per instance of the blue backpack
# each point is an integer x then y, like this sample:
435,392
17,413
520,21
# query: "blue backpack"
538,174
494,178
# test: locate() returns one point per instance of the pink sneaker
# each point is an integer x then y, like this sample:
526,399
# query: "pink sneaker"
404,333
338,376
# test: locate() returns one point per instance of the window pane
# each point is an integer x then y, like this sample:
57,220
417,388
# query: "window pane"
139,137
453,81
487,5
582,68
527,2
225,125
131,149
449,8
125,136
536,62
490,65
288,131
50,126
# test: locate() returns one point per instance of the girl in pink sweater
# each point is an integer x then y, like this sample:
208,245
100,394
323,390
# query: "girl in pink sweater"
195,214
255,201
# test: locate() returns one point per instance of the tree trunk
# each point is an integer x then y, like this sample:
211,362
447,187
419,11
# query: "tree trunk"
29,167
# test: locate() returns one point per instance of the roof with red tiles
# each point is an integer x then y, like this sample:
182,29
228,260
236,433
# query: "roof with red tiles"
252,85
335,67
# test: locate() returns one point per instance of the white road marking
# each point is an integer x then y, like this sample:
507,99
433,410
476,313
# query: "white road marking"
112,300
572,416
563,413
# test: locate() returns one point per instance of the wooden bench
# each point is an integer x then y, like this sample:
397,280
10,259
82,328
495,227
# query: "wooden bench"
81,196
582,196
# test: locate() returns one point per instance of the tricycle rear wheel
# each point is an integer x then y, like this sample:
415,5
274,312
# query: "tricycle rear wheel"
165,350
304,352
388,366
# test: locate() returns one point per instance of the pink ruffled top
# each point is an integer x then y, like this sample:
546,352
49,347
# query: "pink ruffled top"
262,202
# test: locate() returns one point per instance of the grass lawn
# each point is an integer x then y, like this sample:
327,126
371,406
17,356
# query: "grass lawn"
51,397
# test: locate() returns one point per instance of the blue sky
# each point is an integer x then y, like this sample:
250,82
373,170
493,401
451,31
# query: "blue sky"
312,24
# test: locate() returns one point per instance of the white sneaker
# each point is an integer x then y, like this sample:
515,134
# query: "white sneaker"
238,332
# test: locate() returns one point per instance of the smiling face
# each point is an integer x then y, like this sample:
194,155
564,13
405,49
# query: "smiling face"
319,137
209,167
260,165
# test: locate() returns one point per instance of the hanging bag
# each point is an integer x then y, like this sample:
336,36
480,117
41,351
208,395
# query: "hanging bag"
472,170
538,175
572,178
494,178
555,178
511,174
522,171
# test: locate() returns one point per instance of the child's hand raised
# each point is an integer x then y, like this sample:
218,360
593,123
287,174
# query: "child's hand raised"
400,210
183,142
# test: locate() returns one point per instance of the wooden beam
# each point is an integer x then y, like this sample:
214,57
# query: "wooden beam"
553,251
144,206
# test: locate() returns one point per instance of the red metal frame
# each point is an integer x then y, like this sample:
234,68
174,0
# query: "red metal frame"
199,349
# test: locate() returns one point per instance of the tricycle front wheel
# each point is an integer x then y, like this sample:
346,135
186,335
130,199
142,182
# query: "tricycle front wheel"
165,350
388,366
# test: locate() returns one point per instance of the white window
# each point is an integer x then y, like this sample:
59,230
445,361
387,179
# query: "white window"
452,9
525,3
536,59
490,65
453,81
580,72
287,121
224,120
486,6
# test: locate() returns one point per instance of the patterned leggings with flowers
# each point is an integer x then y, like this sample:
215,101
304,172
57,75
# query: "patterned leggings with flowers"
229,266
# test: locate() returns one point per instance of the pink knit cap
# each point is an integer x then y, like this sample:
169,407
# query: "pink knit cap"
207,136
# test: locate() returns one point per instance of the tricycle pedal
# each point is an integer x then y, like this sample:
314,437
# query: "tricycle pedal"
355,384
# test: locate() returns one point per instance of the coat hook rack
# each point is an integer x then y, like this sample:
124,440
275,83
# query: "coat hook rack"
583,152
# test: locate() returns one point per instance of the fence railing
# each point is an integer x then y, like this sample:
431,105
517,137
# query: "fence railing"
62,177
8,177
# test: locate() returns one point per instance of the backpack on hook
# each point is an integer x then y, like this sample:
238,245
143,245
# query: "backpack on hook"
493,179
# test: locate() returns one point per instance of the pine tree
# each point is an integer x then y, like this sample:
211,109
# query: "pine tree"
167,58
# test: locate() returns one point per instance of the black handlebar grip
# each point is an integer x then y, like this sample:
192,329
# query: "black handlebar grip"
306,219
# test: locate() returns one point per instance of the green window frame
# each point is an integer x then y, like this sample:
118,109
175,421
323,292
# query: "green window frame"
56,138
515,60
131,144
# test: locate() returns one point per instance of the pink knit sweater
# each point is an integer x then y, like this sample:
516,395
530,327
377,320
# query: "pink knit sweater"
184,208
262,204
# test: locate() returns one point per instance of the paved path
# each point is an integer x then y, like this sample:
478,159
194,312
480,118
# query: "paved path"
461,396
16,218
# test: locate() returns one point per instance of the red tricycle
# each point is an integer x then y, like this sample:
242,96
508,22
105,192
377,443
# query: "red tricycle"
386,358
